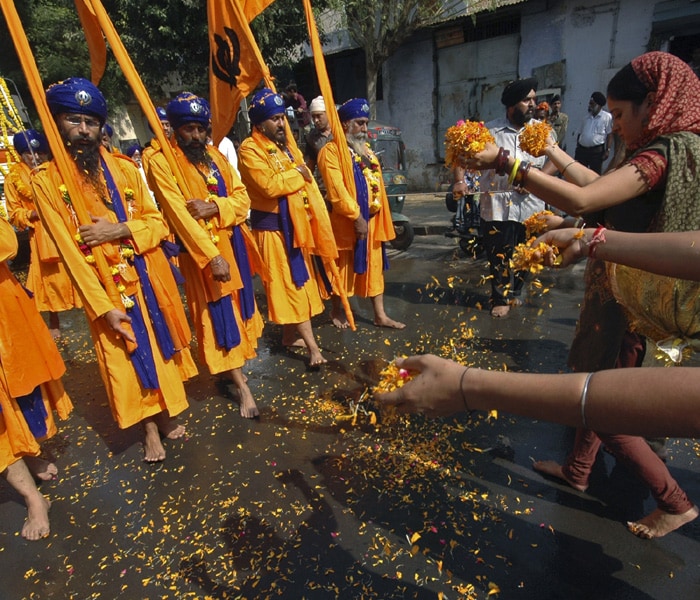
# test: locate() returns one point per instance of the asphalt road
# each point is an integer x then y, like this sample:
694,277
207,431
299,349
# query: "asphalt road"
302,503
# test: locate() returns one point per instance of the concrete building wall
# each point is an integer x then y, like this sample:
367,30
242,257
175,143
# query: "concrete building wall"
592,38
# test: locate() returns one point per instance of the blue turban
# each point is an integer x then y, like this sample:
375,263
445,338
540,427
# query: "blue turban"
131,150
162,115
357,108
188,108
30,140
265,105
107,128
76,95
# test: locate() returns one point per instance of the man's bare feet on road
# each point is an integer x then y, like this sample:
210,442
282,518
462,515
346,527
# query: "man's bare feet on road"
387,322
37,524
41,468
554,469
340,320
153,450
316,358
498,312
659,523
169,427
248,408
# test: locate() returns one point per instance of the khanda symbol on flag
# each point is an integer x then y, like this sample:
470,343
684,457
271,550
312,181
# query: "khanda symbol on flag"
225,60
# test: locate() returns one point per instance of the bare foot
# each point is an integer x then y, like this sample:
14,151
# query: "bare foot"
659,523
169,427
515,302
316,358
37,524
294,342
153,450
55,333
387,322
498,312
554,469
340,320
248,408
41,468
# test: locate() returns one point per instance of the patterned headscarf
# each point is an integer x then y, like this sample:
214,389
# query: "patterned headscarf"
265,105
188,108
357,108
677,104
76,95
30,140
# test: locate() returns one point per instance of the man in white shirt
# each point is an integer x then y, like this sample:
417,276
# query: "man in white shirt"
504,208
596,137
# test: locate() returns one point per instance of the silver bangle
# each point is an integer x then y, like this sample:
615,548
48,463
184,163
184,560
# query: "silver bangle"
584,393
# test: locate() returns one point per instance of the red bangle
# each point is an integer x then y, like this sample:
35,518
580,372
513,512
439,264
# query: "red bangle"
522,173
598,238
502,161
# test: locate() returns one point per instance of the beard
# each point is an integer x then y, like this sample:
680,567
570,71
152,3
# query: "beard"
520,118
87,159
195,152
358,142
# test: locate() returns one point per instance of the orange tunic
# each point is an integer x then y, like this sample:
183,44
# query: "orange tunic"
269,174
47,277
130,403
24,334
202,242
345,209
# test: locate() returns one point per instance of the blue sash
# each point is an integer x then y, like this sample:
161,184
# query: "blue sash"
360,259
246,295
34,412
142,357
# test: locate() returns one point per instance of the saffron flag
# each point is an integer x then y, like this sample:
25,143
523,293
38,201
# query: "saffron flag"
325,85
95,40
252,8
236,66
63,161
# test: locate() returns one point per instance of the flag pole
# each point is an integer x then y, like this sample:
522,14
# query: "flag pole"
64,163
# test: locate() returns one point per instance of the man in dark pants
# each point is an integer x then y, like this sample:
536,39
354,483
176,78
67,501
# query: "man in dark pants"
596,137
503,207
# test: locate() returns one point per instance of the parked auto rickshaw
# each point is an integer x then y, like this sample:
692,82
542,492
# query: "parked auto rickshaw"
387,144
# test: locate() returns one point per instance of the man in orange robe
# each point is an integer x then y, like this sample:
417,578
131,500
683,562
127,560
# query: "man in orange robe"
47,278
289,222
30,390
361,223
217,262
144,385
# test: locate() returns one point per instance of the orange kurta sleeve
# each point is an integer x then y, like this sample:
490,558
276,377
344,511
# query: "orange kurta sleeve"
196,239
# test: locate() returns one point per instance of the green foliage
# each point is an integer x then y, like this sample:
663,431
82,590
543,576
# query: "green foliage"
161,36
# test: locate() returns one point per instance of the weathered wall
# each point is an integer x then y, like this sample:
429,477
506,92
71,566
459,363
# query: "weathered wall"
594,39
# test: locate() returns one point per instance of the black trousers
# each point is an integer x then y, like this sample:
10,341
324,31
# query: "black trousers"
591,157
500,239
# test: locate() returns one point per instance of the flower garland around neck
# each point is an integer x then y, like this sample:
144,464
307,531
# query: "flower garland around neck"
372,176
22,188
213,192
272,151
126,250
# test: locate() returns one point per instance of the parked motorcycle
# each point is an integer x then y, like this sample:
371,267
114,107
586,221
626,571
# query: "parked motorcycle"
466,221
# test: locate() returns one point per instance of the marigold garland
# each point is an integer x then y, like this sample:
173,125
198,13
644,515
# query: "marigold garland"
126,250
372,176
10,121
464,140
213,191
534,137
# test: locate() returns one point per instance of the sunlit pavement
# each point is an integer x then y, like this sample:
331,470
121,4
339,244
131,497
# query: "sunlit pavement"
302,503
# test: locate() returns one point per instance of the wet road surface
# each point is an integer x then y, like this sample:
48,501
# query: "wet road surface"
301,503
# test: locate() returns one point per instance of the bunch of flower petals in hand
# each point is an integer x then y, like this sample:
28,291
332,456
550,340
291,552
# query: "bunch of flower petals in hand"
534,138
464,140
